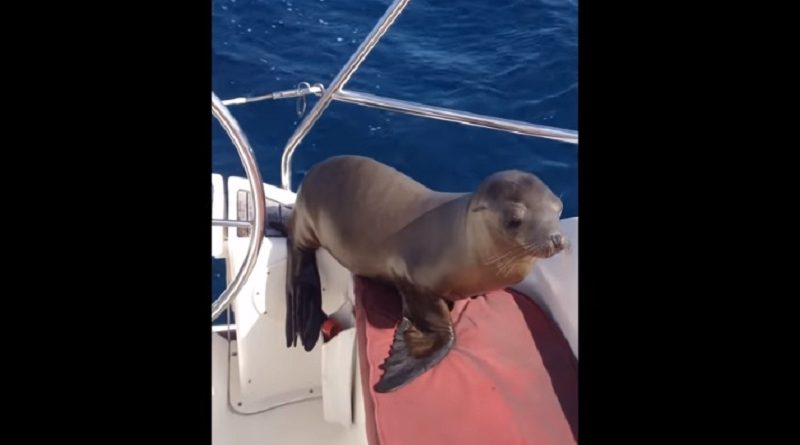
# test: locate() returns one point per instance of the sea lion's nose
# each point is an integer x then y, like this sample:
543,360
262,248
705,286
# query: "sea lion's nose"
558,241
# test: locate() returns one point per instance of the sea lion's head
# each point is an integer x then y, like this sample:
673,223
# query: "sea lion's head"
521,213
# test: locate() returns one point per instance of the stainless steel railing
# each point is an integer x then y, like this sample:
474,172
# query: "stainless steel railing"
335,91
248,159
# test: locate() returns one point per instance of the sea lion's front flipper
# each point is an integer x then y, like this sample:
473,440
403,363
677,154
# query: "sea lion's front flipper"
421,340
304,315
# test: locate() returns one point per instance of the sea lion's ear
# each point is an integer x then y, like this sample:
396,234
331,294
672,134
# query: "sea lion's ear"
478,206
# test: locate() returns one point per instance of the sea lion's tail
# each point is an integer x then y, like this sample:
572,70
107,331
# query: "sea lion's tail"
304,315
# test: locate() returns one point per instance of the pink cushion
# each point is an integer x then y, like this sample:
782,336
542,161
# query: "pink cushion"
511,377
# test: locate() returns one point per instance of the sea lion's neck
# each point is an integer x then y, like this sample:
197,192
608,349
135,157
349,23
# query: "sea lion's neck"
448,213
436,199
480,240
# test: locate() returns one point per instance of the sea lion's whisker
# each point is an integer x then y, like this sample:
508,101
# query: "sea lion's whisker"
507,266
503,255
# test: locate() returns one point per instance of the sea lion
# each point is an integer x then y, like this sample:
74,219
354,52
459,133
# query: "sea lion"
433,247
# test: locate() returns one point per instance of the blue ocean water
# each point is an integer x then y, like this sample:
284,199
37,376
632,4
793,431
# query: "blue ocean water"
516,59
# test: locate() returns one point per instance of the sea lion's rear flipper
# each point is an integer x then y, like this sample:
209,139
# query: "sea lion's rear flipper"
422,339
304,315
279,227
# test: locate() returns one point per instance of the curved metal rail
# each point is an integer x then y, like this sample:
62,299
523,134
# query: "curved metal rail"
337,84
220,111
462,117
335,91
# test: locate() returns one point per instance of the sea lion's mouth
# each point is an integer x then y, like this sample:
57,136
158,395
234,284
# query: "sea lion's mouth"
554,245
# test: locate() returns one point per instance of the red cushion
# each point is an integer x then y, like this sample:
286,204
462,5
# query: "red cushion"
511,377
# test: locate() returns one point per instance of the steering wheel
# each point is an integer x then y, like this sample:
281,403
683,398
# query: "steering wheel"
223,115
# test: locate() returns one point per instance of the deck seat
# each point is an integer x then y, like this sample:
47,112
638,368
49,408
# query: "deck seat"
511,377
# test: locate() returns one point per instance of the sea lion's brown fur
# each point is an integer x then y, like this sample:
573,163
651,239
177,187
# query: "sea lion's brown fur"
433,247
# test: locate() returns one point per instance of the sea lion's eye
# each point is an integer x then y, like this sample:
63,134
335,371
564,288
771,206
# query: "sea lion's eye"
513,223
